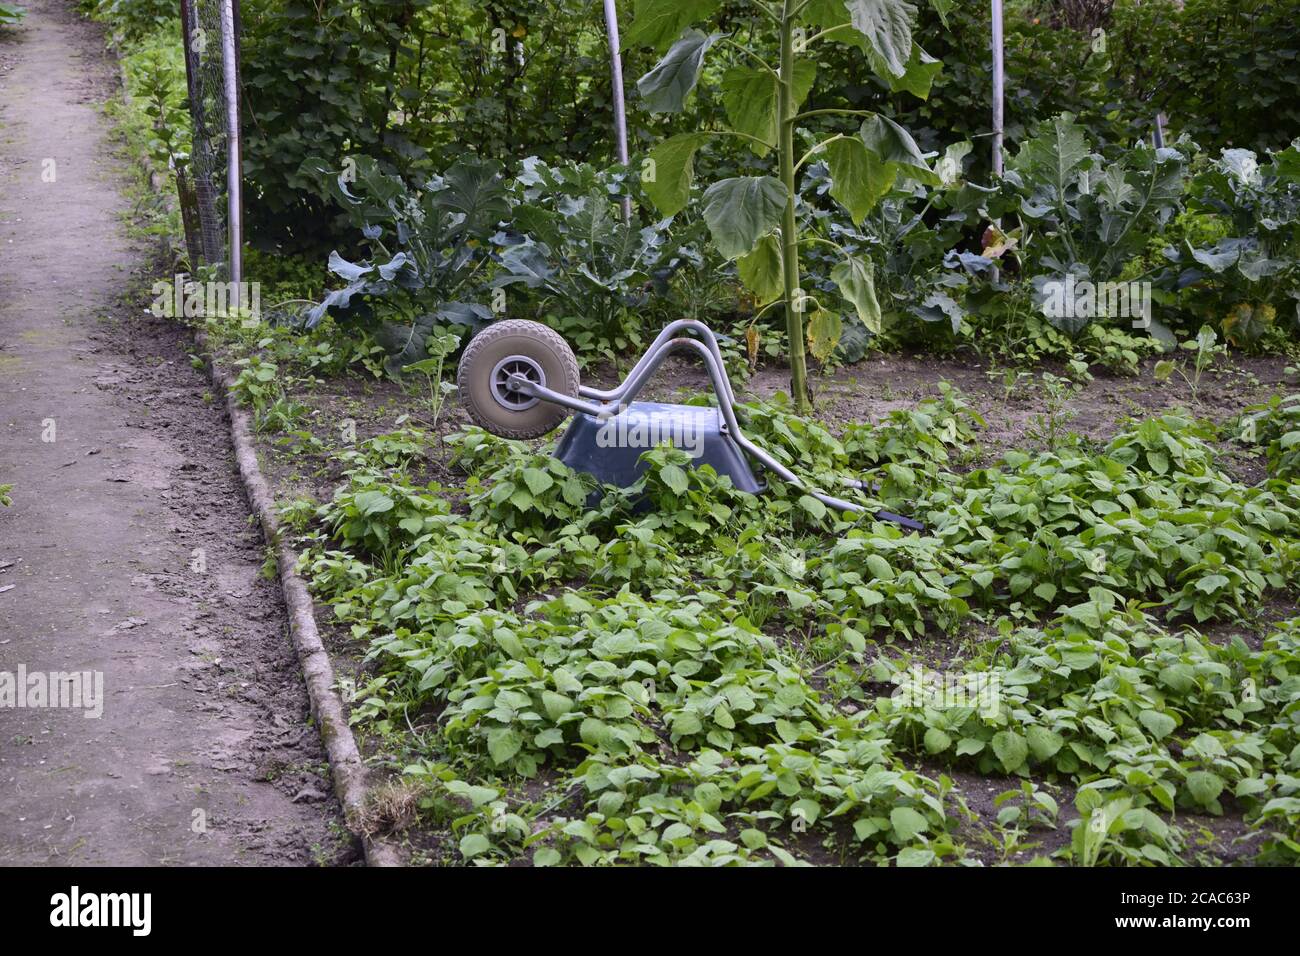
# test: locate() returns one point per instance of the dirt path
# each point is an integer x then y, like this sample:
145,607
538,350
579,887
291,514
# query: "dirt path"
127,550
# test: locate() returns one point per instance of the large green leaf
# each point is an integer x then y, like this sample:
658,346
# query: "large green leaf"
1286,164
938,306
857,283
858,177
918,73
503,743
1011,750
666,87
528,263
1113,189
351,271
894,145
1204,786
1053,156
658,23
1254,265
474,189
949,167
1160,725
669,185
750,96
741,210
830,14
887,25
805,75
1043,743
907,823
472,844
1222,256
762,270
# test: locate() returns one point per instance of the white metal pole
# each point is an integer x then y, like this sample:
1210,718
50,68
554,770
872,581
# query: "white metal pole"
234,178
616,74
998,87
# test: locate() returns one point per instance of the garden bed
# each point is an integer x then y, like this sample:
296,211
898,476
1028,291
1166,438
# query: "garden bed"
353,456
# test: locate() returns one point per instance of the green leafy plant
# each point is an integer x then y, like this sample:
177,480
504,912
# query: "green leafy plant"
379,516
261,386
1205,349
439,347
429,248
1114,831
544,635
1081,215
164,103
593,268
755,220
1246,280
1049,427
1025,807
1276,426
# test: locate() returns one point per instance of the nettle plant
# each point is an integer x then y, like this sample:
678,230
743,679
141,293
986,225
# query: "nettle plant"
756,220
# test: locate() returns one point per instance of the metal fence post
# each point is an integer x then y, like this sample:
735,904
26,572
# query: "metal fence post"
616,77
234,162
999,79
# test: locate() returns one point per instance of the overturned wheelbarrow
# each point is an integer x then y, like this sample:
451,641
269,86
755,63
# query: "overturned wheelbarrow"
519,379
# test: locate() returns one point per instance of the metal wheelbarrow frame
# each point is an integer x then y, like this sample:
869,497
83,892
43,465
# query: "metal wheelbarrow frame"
605,404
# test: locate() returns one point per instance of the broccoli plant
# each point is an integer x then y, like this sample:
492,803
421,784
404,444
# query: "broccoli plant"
755,220
428,250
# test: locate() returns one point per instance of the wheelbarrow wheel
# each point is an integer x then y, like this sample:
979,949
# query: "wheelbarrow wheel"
516,347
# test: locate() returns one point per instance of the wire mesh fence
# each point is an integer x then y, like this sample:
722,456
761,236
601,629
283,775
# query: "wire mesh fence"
212,190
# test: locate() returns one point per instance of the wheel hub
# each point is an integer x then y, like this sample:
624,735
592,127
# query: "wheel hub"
526,368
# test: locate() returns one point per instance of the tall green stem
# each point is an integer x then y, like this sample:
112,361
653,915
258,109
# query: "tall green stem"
789,224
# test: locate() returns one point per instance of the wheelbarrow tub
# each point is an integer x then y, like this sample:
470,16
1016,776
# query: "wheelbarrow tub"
610,449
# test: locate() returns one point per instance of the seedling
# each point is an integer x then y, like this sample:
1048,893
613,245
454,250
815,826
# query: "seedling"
439,347
1206,349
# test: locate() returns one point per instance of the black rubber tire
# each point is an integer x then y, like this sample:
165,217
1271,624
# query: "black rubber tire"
500,340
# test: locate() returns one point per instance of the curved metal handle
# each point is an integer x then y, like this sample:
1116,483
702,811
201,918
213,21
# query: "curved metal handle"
620,394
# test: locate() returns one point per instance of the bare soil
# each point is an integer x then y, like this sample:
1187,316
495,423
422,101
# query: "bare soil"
128,549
